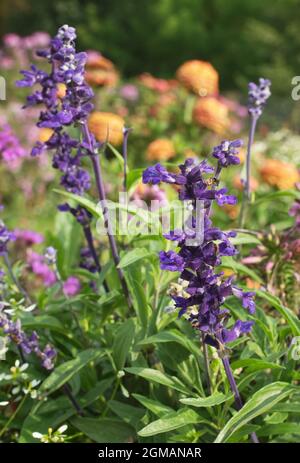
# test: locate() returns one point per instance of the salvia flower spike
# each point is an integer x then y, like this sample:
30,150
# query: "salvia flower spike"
67,101
202,289
258,95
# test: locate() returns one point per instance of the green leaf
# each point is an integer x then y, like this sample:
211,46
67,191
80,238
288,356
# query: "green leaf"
104,430
64,372
154,406
157,376
282,428
128,413
172,336
274,196
260,403
287,407
53,413
133,176
244,238
139,299
255,364
134,256
122,343
229,262
210,401
42,321
117,155
242,433
85,202
289,316
170,422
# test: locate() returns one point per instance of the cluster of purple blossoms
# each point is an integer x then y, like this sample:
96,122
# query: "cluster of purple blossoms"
227,152
62,110
28,344
5,237
257,97
83,216
202,290
10,148
87,260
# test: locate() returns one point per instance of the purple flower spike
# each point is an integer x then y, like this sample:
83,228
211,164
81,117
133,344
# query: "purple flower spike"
257,96
202,290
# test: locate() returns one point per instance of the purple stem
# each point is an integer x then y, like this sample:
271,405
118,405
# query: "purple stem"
102,197
247,192
248,159
90,242
125,143
206,364
234,388
216,178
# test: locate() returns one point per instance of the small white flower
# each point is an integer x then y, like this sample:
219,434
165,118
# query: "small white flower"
62,429
37,435
4,403
24,367
30,308
16,390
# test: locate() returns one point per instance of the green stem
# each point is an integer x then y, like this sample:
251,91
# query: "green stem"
12,417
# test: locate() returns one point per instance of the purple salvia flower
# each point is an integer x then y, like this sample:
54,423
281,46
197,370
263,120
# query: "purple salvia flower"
257,99
227,152
257,96
28,344
157,174
205,290
87,261
5,237
67,67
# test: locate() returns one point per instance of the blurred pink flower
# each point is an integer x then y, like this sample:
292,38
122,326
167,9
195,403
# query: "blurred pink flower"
38,266
10,148
71,286
129,92
28,236
12,40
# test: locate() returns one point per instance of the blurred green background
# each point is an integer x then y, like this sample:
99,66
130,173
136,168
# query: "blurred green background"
243,39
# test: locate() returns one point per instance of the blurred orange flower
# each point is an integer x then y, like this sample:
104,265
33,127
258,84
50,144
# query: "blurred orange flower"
237,183
106,127
45,134
242,155
161,149
232,210
100,71
251,284
280,174
200,77
211,113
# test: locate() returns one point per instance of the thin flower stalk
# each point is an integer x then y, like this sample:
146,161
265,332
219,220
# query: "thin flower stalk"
257,98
